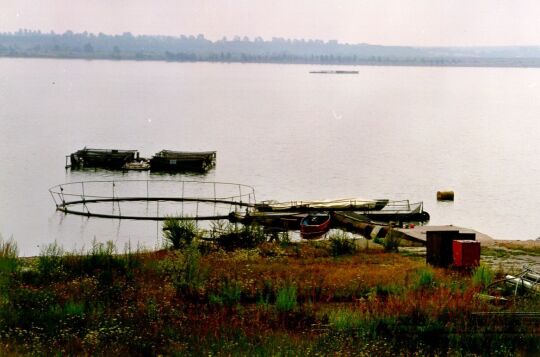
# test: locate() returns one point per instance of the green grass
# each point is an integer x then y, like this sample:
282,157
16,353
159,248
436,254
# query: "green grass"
180,233
270,300
286,299
345,319
482,276
341,244
425,279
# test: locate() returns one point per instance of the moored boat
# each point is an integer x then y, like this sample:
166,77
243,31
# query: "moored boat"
315,224
136,166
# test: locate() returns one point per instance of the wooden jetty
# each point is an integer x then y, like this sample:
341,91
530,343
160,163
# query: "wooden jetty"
167,160
419,233
415,236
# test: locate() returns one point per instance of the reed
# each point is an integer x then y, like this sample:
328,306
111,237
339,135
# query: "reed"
179,232
286,299
482,276
341,244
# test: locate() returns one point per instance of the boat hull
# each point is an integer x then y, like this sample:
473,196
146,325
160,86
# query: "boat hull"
315,224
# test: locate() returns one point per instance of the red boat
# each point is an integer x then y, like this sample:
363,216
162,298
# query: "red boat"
315,224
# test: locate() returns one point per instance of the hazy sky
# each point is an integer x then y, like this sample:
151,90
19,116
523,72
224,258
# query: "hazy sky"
390,22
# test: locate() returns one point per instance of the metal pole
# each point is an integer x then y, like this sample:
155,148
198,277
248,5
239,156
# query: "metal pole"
147,193
157,221
84,198
215,199
197,215
183,197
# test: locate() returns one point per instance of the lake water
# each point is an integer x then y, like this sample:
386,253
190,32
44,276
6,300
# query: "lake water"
386,132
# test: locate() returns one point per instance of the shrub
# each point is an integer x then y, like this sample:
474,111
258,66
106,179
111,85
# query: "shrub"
179,232
425,278
185,271
230,294
286,299
50,263
391,241
341,244
8,265
8,256
482,276
345,319
249,236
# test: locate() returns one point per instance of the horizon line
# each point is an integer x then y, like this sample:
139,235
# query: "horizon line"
254,39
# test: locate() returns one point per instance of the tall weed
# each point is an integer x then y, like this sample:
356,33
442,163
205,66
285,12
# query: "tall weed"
341,244
247,236
345,319
482,276
50,264
184,270
8,255
179,232
425,278
286,299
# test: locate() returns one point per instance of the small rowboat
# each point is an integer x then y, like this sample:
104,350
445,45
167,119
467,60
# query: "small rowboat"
315,224
136,166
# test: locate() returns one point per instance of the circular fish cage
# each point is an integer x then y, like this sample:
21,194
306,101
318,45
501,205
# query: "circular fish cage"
153,199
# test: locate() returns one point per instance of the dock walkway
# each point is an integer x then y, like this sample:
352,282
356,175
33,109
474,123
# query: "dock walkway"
419,233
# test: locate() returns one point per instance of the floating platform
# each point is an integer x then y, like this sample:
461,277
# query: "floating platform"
167,160
348,204
102,158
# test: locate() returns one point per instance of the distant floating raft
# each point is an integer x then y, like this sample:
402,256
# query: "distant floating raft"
333,72
167,160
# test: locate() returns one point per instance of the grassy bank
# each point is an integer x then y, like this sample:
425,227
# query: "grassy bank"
244,295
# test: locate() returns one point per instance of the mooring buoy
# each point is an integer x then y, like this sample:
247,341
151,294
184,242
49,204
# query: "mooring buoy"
445,195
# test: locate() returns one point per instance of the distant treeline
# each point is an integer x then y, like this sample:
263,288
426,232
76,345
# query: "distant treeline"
27,43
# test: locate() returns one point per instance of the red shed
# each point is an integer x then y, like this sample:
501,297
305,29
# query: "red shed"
466,253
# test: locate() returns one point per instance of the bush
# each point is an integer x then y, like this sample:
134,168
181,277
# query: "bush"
391,241
482,276
8,256
230,294
50,263
179,232
8,265
286,299
345,319
249,236
341,244
425,279
185,271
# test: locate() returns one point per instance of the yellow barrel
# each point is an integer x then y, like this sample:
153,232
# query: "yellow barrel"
445,195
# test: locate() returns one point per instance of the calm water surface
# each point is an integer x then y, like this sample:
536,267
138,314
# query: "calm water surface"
387,132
